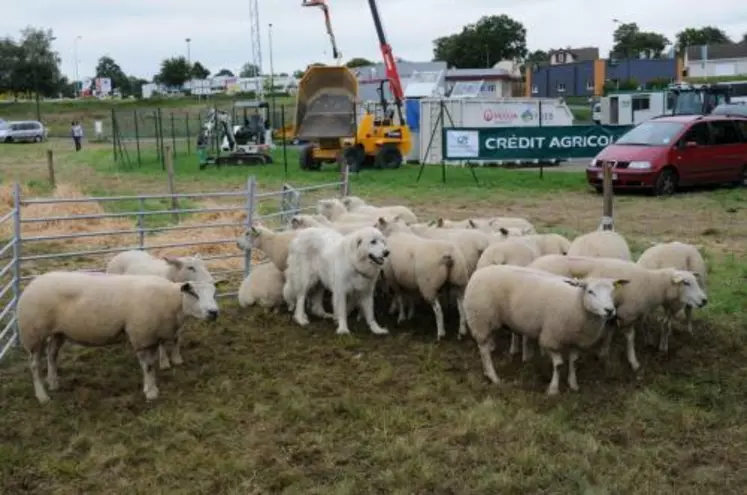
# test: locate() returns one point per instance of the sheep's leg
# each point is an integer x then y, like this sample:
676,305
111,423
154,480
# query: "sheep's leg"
163,357
148,358
648,335
527,349
53,350
572,380
176,353
486,347
439,313
394,306
666,331
366,306
410,307
317,305
35,357
400,299
462,315
604,350
557,363
689,319
514,348
630,347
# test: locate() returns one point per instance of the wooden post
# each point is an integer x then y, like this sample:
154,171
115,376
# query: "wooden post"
50,168
607,190
169,158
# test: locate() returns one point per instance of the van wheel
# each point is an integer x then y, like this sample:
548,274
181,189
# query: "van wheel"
37,139
742,181
666,183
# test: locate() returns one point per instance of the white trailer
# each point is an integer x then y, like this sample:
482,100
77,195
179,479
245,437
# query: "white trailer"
634,107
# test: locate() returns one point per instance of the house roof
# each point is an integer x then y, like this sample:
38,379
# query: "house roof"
717,52
405,69
475,74
579,54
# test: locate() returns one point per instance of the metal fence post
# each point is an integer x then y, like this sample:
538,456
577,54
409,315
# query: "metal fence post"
16,254
251,192
345,183
141,222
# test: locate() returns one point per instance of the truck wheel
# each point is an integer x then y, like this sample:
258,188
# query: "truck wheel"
306,158
388,156
353,157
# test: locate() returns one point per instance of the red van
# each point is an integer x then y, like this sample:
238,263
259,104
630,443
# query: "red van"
666,152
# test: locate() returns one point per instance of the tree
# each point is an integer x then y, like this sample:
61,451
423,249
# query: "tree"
631,42
174,72
298,74
9,57
708,35
249,70
485,43
107,67
744,38
136,86
36,67
224,73
283,74
358,62
199,71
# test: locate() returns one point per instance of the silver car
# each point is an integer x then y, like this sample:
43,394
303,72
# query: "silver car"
22,130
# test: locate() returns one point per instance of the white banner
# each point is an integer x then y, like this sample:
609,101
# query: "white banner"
462,144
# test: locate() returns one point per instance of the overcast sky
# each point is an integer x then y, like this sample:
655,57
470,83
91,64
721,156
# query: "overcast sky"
138,34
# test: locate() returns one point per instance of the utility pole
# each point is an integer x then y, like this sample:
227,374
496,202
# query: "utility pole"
189,55
272,76
78,84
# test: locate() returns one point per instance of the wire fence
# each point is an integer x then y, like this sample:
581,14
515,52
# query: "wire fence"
207,224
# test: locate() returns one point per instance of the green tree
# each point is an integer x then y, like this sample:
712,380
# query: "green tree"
708,35
298,74
358,62
249,70
485,43
174,72
9,58
199,71
136,86
744,38
224,72
631,42
107,67
535,57
36,67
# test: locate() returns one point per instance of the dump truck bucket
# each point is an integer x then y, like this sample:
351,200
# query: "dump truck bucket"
325,103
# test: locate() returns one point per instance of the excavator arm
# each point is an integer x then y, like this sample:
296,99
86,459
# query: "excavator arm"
328,23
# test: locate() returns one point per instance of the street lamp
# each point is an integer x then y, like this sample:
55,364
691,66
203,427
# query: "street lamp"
189,56
78,85
272,76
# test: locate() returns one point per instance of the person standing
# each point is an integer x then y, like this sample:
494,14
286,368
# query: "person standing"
77,132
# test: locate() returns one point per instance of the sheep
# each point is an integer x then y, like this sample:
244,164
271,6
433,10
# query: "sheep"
513,251
263,287
273,244
306,221
600,244
335,211
549,243
561,313
181,269
424,266
97,310
472,243
648,289
176,269
356,205
682,257
515,225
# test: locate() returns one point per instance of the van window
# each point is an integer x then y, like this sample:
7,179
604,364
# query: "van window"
15,127
724,132
699,134
742,125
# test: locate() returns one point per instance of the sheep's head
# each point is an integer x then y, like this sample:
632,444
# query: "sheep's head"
198,300
598,294
188,268
250,239
689,290
331,208
389,226
352,202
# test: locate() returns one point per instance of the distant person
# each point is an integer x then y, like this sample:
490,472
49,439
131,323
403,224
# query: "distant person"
77,132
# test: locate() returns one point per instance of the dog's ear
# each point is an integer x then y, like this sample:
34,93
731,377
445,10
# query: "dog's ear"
503,231
359,242
295,223
471,223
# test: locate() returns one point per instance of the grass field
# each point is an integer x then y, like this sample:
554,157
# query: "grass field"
263,406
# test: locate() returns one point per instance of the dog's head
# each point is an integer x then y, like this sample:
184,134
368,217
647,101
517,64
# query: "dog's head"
370,246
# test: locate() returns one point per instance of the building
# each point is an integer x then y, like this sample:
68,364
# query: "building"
587,77
487,83
717,60
370,78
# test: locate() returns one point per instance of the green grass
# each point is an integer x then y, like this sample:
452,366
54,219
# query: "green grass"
263,406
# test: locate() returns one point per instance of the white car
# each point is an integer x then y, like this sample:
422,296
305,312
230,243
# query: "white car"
22,130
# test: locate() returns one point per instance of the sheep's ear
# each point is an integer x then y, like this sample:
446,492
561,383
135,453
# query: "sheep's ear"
697,276
396,218
346,201
188,289
295,222
574,282
677,278
471,223
253,231
504,231
440,222
381,222
173,261
620,283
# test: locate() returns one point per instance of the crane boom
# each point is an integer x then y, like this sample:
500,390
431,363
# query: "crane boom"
390,64
327,22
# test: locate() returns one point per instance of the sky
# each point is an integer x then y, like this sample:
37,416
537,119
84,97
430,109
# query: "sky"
138,34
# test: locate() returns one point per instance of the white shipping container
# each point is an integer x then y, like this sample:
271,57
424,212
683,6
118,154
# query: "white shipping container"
485,113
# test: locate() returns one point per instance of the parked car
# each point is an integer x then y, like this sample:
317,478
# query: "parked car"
23,130
664,153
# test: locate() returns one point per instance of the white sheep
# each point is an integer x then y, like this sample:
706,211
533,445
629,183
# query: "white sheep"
472,243
512,251
263,287
600,244
424,266
273,244
515,225
335,211
298,222
682,257
561,313
648,290
549,243
175,269
356,205
99,310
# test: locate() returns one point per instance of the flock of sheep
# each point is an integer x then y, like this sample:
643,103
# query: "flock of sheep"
498,273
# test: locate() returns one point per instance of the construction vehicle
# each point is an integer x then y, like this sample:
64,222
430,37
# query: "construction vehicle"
697,99
322,4
326,106
244,145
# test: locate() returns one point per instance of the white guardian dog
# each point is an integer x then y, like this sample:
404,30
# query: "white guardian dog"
348,266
